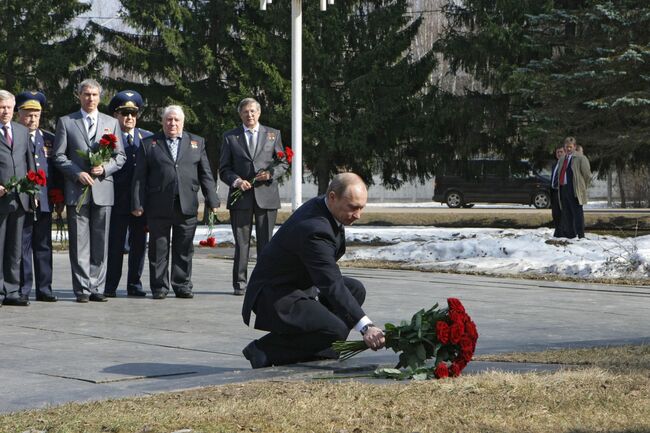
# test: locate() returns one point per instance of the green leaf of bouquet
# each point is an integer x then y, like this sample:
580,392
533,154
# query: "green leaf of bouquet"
83,154
421,353
420,376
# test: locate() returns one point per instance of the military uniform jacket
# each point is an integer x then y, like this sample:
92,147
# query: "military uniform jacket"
123,178
159,179
15,161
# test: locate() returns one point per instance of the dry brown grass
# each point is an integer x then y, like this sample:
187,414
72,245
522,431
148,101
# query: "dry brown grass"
590,399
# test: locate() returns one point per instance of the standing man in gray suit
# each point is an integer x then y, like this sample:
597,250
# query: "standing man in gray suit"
15,159
171,167
247,153
89,227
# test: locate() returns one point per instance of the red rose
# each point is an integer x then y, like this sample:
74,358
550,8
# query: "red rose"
280,155
455,332
455,369
289,153
203,243
103,142
32,176
441,371
455,305
457,316
211,242
470,329
42,177
442,332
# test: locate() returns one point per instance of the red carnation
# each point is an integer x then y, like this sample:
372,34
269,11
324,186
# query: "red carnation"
32,176
42,177
455,369
280,155
442,332
441,371
203,243
455,305
455,332
457,316
211,242
289,153
470,329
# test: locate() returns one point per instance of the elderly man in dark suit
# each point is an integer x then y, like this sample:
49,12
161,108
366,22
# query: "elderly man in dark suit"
171,167
573,178
77,134
125,107
15,160
37,230
296,289
247,153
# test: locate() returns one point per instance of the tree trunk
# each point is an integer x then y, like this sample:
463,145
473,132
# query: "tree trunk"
621,186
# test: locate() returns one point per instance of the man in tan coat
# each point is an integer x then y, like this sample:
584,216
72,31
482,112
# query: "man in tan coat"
573,177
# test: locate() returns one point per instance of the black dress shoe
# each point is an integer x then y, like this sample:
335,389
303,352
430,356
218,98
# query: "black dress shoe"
159,294
97,297
136,292
16,302
46,297
239,292
110,294
186,294
82,299
255,356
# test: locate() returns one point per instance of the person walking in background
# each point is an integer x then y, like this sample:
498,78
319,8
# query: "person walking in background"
77,134
125,107
573,178
37,230
171,166
247,154
556,210
15,160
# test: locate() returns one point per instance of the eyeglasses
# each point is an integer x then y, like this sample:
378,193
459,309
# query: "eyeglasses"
127,113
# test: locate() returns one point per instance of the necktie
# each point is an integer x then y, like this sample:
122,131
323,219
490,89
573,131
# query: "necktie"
173,147
129,139
251,142
10,140
92,130
563,171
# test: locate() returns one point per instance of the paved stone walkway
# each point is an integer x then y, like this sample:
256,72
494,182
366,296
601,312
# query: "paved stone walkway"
61,352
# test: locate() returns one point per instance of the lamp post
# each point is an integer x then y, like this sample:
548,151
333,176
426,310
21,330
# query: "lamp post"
296,94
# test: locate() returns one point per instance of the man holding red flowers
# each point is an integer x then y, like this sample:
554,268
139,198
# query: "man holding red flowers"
15,161
37,231
89,192
296,289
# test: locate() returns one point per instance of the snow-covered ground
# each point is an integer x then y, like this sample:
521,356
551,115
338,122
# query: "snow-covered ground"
494,251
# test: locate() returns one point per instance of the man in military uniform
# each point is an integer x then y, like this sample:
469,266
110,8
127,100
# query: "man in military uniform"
37,229
125,107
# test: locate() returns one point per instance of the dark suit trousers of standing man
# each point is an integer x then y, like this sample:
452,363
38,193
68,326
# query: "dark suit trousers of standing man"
182,236
241,221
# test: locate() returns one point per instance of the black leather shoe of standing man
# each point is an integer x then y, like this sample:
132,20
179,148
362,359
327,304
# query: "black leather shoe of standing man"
255,356
16,302
46,297
97,297
136,292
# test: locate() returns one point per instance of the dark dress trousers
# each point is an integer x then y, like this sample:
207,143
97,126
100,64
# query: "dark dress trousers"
123,223
262,201
167,191
297,291
572,216
37,229
556,209
15,160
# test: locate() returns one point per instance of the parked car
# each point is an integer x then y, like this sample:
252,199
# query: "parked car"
463,183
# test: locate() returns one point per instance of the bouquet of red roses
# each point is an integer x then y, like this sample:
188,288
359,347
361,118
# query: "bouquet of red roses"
280,157
209,241
447,335
29,184
107,145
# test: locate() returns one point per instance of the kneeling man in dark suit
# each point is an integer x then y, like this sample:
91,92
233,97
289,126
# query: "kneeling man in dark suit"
296,289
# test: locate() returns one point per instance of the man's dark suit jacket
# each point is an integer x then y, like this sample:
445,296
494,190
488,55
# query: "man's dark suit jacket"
301,255
158,178
15,162
235,162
